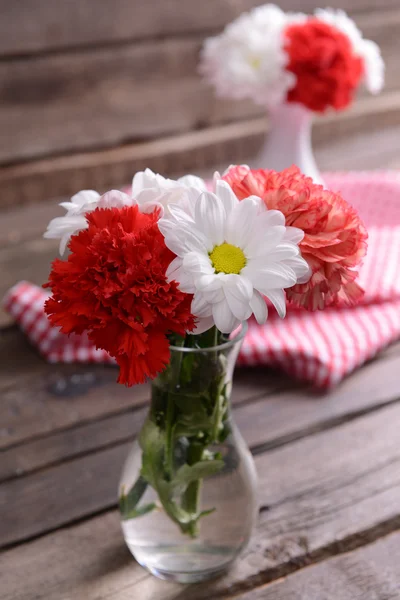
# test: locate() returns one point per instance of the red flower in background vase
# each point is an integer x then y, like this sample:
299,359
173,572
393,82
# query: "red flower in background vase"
334,237
114,286
327,70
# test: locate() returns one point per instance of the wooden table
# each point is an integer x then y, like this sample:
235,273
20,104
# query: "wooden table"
329,470
328,465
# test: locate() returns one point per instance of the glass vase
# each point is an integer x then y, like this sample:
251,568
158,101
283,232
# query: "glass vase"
188,488
289,141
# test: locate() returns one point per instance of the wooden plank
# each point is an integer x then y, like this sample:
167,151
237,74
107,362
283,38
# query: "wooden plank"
369,573
77,563
40,25
260,396
134,92
46,489
316,500
213,147
40,399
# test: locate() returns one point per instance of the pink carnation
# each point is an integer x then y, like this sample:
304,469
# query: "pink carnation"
334,236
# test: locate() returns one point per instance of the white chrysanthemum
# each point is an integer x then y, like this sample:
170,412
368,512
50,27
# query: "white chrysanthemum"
83,202
230,254
248,60
151,190
367,49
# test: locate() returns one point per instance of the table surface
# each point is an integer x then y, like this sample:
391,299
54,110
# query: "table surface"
328,465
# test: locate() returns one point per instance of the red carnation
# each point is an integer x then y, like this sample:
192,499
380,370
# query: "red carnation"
334,237
113,285
326,67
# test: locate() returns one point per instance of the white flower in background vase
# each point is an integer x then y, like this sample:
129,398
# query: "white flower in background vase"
295,65
230,254
248,59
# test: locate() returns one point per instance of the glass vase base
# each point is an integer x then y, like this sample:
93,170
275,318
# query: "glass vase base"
184,564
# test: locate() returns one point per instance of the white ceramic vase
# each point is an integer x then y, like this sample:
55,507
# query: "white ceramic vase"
289,141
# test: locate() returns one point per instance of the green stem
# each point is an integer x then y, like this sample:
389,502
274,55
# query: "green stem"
190,498
176,362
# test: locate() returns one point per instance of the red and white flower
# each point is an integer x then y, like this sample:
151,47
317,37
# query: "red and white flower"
272,57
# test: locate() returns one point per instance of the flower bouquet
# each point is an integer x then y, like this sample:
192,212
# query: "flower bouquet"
164,279
294,65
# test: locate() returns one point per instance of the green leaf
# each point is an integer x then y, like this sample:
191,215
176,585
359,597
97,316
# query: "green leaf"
138,512
199,470
129,501
152,440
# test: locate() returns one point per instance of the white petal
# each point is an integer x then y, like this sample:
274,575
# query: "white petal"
213,296
143,179
210,218
279,253
238,293
260,245
224,319
226,195
63,243
293,234
67,224
147,196
193,181
270,277
259,308
174,269
200,307
241,222
203,325
278,299
179,214
198,263
85,197
209,283
181,239
175,272
115,199
300,268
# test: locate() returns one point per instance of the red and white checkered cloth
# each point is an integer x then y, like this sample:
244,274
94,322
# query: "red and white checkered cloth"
320,347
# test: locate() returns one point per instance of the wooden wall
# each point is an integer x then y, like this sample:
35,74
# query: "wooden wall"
85,83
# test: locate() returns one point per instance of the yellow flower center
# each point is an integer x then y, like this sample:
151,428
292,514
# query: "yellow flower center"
255,62
227,258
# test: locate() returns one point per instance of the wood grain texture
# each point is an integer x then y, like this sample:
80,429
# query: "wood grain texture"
369,573
39,398
51,507
105,97
213,147
270,409
29,26
344,491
